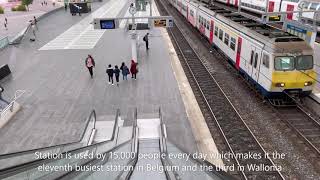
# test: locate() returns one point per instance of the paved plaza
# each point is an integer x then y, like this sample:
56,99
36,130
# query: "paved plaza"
17,21
60,93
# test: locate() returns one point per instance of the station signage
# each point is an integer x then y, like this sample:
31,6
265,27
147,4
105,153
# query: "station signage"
304,31
108,24
162,22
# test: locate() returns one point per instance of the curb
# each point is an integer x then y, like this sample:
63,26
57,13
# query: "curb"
315,97
19,37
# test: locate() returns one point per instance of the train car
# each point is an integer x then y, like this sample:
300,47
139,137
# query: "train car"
256,6
275,62
193,13
205,23
184,8
307,5
290,5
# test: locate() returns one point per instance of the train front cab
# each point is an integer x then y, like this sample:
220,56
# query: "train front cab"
293,74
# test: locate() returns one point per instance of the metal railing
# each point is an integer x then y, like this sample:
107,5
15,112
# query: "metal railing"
10,106
29,168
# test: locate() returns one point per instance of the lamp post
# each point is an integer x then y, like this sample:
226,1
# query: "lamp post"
132,11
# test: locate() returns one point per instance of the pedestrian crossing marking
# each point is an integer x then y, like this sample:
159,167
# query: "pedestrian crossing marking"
82,35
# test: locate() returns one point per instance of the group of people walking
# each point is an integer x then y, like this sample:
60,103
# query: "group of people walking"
114,72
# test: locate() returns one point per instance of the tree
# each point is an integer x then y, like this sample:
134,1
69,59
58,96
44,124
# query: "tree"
27,3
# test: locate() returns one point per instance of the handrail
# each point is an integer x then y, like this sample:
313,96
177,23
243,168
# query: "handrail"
135,148
115,125
92,114
65,176
170,175
36,163
220,173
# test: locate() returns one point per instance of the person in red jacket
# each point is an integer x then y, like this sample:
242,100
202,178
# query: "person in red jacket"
90,64
134,69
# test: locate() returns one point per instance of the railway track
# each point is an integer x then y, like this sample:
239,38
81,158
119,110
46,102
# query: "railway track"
309,132
238,137
301,121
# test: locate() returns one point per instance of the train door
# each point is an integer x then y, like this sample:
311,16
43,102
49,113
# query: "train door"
187,12
256,66
271,6
236,3
211,31
290,7
251,59
238,55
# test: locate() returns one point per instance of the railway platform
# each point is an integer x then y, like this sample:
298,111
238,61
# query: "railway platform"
316,92
59,93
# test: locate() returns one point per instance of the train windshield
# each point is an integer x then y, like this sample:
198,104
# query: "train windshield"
304,62
288,63
284,63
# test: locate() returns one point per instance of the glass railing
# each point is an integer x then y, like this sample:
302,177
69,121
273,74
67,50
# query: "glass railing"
4,42
12,159
69,158
183,167
111,168
192,168
119,163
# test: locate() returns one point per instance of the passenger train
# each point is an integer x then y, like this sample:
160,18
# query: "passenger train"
274,61
262,6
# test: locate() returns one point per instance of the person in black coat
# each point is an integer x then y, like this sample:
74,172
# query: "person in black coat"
146,39
117,73
109,71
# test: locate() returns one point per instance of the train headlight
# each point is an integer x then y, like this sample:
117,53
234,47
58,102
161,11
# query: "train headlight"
281,84
309,83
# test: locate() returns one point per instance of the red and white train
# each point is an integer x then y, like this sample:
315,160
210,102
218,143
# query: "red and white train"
262,6
273,60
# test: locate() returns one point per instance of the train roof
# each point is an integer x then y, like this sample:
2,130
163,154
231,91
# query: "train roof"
272,33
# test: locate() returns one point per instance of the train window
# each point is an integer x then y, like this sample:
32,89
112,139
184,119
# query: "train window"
226,39
266,60
305,5
304,62
220,34
255,61
191,13
314,6
251,58
233,43
284,63
216,31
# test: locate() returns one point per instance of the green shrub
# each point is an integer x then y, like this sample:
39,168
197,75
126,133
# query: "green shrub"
13,9
1,10
21,8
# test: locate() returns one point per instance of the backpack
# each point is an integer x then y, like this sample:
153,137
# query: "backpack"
144,38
